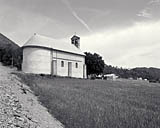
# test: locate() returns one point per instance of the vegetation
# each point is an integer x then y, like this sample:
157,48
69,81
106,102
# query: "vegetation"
81,103
95,64
152,74
10,53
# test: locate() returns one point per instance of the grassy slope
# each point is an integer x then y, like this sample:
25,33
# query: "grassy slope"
98,104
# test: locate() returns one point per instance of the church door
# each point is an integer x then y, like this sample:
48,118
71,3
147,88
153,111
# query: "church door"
70,69
54,67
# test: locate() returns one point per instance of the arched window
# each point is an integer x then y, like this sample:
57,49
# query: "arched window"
62,63
76,65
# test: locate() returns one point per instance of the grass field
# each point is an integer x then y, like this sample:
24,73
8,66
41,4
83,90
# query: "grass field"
81,103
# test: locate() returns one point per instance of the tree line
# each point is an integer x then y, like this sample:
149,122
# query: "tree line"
96,65
151,74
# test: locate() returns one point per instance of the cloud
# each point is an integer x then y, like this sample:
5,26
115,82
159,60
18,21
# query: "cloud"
76,16
145,13
137,45
26,23
115,34
150,10
154,2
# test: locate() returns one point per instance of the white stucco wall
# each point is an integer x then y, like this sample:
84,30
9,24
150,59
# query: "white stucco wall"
68,57
36,60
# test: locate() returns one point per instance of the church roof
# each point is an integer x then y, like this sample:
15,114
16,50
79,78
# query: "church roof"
42,41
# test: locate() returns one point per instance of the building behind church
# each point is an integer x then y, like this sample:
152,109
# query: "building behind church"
43,55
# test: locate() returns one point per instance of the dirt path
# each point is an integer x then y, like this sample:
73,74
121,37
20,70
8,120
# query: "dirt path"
19,108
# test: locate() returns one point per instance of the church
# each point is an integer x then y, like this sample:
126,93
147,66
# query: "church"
44,55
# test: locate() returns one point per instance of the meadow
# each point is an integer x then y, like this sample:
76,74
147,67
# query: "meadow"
79,103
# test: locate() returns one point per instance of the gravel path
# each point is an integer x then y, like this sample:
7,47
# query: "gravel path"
19,108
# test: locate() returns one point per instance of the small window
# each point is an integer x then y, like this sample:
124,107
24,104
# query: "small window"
76,65
62,63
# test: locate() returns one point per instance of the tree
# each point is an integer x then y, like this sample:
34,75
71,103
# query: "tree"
10,55
7,56
94,62
17,58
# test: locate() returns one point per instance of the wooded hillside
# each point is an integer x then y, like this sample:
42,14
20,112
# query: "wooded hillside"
152,74
10,52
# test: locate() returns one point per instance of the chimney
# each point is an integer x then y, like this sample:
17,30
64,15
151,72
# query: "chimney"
76,41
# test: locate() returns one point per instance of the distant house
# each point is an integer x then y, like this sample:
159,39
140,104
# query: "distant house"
140,78
43,55
110,76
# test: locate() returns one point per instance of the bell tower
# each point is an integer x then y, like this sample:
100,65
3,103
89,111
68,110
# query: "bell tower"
76,41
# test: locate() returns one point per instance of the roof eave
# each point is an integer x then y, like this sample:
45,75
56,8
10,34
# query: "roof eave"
52,49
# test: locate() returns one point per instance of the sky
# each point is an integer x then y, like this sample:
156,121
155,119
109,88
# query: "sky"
124,32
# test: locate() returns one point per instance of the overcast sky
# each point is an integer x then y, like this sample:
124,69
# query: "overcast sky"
124,32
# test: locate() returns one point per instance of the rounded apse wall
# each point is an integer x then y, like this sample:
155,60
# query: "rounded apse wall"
36,60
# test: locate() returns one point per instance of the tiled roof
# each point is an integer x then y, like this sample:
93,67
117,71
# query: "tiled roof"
42,41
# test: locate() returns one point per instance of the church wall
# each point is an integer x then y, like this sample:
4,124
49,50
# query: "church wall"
36,60
68,57
39,61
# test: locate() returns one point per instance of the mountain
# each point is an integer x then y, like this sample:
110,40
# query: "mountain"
152,74
4,42
10,52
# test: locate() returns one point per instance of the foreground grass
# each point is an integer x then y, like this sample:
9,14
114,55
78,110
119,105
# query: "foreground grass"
98,104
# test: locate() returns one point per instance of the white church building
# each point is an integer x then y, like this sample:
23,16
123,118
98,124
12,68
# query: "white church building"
44,55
